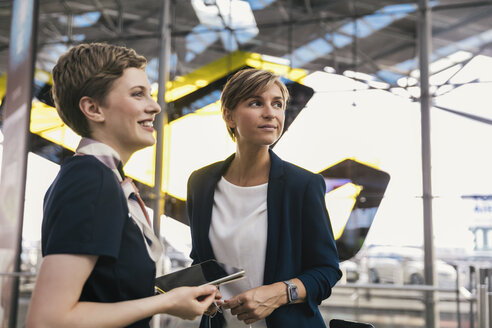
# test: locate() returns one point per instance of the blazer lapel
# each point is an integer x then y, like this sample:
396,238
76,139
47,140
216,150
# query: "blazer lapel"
274,210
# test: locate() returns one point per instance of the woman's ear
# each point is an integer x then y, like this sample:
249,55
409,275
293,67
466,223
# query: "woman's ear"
91,109
228,118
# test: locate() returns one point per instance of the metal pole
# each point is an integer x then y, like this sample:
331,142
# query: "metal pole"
473,290
489,296
482,298
159,123
424,38
161,119
15,128
458,309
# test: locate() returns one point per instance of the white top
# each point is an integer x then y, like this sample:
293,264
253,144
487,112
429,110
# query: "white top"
238,234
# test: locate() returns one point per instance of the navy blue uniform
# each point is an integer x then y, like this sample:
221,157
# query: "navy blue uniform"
85,212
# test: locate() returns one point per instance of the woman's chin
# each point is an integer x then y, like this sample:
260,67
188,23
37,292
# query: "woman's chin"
145,143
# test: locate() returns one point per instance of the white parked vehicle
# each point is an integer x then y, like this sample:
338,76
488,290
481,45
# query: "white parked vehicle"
402,265
350,270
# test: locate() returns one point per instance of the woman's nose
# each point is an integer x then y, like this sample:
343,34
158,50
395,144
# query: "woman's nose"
154,107
268,111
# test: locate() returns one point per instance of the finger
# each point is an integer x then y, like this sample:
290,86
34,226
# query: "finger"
233,303
212,308
206,290
207,300
244,316
203,292
250,321
210,312
239,309
248,317
227,304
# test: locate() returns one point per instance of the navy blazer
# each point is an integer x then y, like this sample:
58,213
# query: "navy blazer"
300,240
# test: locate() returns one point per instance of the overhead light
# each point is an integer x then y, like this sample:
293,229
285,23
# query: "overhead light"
154,87
84,20
478,69
201,83
349,73
364,76
442,77
443,89
440,65
414,92
407,82
359,76
227,15
378,85
460,56
400,92
412,81
415,73
402,82
329,69
276,60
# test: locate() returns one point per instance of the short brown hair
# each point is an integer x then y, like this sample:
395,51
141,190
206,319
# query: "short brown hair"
88,70
247,83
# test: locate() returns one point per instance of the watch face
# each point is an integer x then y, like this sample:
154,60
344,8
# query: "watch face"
293,294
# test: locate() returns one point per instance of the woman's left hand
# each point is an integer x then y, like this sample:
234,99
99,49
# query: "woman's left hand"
257,303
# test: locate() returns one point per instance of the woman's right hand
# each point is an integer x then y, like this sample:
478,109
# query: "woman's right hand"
189,302
215,306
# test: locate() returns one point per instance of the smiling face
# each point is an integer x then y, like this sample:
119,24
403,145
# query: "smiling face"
127,114
259,119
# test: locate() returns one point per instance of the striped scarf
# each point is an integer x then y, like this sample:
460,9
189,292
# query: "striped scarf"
109,157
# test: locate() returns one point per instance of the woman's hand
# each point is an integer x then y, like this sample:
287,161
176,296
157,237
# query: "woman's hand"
216,304
190,302
257,303
55,300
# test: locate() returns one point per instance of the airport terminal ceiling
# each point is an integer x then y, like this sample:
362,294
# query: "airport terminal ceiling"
378,38
369,36
375,37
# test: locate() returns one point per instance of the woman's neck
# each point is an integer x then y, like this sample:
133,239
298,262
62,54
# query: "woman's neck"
124,155
250,167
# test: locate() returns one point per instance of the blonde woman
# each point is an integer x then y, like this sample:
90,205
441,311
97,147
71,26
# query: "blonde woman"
260,213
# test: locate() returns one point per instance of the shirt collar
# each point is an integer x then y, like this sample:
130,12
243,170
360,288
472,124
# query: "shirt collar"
104,153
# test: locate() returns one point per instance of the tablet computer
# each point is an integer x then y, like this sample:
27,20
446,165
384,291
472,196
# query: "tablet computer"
210,272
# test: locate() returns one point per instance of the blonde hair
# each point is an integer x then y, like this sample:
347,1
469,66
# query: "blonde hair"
247,83
88,70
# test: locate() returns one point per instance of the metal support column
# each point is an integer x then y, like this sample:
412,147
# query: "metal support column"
159,123
424,38
473,289
482,299
489,297
458,307
15,128
161,119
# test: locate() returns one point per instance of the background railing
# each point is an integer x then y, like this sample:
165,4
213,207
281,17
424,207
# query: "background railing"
401,306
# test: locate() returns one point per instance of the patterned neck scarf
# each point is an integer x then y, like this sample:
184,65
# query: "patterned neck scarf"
109,157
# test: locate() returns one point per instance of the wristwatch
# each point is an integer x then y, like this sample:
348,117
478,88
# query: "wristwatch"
292,292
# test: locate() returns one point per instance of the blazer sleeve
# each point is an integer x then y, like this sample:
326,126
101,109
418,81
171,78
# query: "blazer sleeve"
319,253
